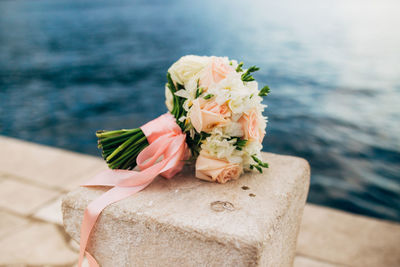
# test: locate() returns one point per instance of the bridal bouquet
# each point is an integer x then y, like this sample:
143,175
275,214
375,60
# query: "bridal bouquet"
215,119
217,103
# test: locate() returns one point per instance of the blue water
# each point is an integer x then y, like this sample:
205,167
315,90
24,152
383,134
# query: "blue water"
68,68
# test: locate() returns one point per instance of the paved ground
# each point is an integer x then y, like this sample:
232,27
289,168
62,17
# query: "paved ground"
33,178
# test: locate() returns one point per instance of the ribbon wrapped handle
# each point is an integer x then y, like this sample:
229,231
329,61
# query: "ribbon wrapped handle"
165,155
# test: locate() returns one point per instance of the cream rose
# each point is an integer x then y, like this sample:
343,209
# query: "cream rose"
251,126
205,115
169,99
216,70
216,170
187,67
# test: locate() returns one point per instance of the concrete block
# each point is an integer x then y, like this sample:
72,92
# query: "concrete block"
253,221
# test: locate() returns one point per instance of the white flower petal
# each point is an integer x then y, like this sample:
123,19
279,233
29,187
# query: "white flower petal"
182,93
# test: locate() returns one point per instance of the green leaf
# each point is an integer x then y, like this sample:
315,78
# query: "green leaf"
199,89
259,162
256,159
252,166
178,111
247,77
264,165
208,96
171,85
195,142
240,144
264,91
239,67
259,169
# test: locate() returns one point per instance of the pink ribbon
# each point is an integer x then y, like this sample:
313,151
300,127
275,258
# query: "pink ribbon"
164,156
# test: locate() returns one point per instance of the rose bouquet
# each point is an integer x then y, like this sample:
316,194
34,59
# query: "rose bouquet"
218,104
215,119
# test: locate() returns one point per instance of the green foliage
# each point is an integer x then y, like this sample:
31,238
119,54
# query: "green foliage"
259,164
264,91
259,169
194,144
239,144
247,77
239,67
178,111
208,96
199,89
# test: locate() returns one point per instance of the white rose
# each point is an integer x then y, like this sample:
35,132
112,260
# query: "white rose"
169,99
187,67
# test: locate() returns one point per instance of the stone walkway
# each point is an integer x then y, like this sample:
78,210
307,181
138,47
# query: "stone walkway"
33,179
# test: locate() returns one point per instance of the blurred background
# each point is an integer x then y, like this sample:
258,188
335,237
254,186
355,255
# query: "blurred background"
69,68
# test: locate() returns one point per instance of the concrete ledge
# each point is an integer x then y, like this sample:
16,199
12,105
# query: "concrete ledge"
328,237
179,222
346,239
44,166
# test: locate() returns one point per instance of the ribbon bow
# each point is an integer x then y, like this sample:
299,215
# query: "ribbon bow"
167,142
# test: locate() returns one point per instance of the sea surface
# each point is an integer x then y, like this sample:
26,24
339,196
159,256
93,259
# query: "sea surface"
69,68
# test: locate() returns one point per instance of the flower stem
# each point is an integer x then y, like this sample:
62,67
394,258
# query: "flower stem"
120,148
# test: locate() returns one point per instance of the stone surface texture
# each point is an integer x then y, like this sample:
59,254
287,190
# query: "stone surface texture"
324,238
301,261
23,198
48,167
348,240
174,220
10,223
50,213
39,244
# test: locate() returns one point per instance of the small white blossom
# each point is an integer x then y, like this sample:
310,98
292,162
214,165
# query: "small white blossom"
233,129
218,146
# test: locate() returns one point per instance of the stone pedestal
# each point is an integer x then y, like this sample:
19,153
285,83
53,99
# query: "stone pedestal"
253,221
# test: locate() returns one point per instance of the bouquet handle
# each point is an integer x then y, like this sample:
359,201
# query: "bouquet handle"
167,141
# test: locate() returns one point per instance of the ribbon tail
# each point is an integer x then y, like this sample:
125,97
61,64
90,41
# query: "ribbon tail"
108,178
91,260
93,211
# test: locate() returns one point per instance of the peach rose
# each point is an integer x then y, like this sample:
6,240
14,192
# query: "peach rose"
216,170
214,72
251,129
205,115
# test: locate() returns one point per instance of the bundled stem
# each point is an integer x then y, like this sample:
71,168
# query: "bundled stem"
120,148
